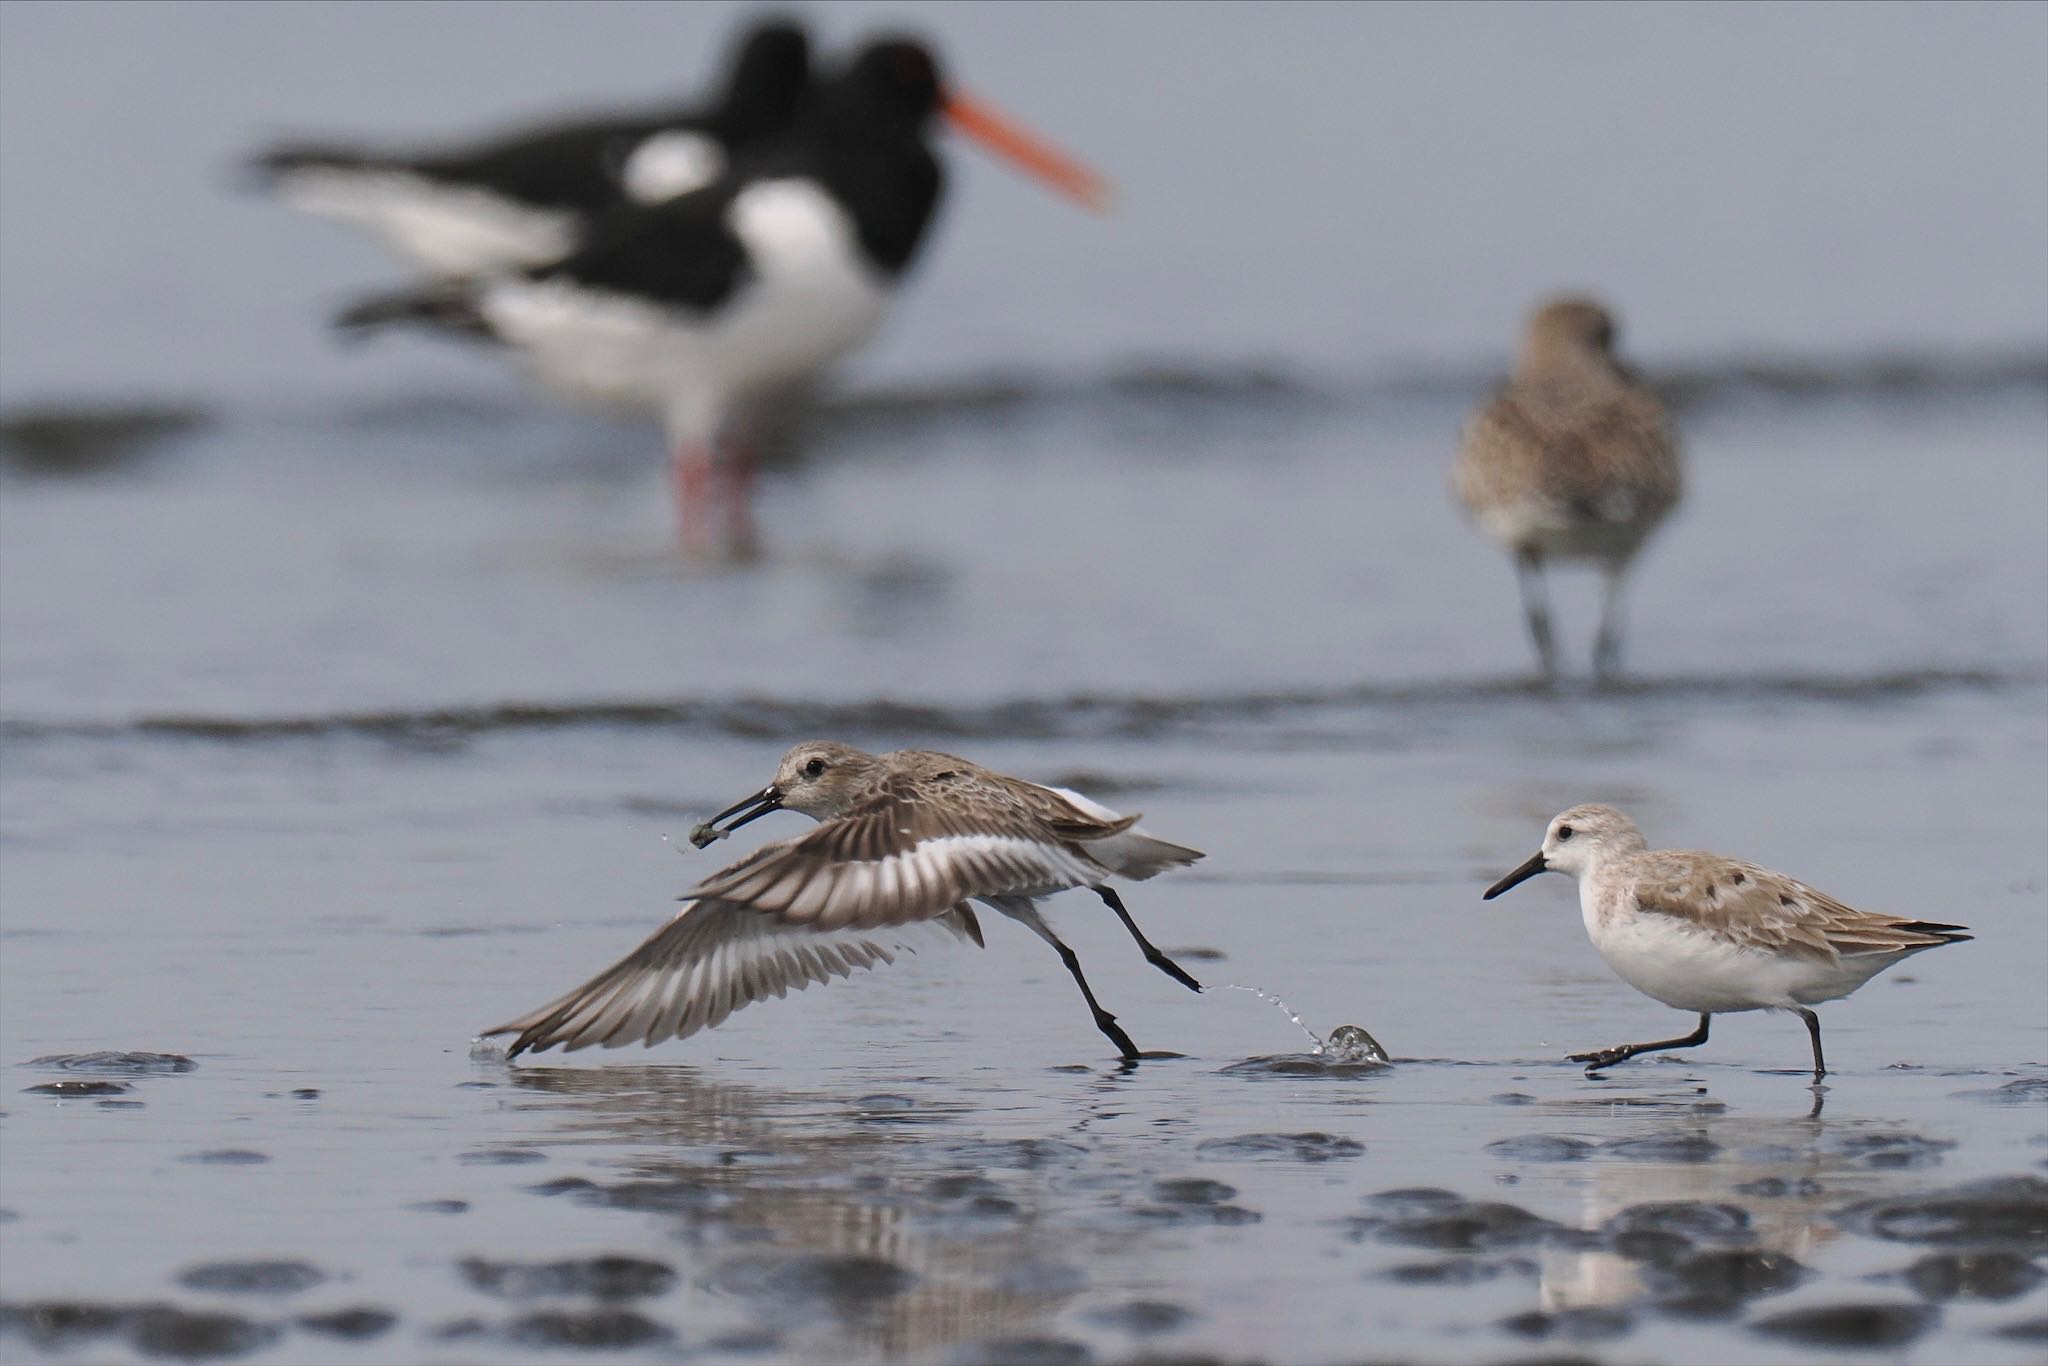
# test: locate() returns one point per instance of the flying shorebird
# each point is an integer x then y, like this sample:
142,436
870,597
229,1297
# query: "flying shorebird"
699,308
906,840
519,199
1705,933
1572,460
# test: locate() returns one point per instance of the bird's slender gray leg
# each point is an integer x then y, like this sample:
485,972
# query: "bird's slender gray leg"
1607,645
1104,1021
1607,1057
1536,607
1152,954
1820,1066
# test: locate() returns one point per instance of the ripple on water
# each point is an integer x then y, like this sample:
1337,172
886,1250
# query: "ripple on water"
599,1329
151,1330
1696,1221
1017,1153
108,1063
78,1089
2024,1091
227,1157
1297,1065
1671,1147
1307,1147
1581,1323
1021,1351
1458,1271
841,1281
1142,1318
2000,1212
1541,1148
501,1157
1717,1283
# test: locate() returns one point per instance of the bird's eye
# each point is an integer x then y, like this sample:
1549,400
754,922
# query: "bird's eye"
1564,832
815,767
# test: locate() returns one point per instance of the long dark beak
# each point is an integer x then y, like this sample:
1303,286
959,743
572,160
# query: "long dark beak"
760,804
1521,875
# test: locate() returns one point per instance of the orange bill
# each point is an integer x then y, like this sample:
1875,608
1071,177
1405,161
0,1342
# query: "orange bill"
1001,135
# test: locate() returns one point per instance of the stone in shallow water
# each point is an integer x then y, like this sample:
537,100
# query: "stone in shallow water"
1779,1188
1541,1148
108,1063
78,1089
252,1278
1850,1325
2001,1212
1350,1044
605,1278
1583,1323
1310,1147
358,1324
1973,1275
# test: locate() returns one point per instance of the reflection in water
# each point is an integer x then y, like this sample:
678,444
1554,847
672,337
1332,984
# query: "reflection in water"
834,1220
1784,1174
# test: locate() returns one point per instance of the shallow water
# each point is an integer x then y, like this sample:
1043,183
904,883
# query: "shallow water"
396,757
350,704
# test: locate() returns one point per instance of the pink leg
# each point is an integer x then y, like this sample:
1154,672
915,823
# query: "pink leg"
693,474
736,472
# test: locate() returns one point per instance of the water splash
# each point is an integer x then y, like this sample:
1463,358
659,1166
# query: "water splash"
1350,1044
1315,1040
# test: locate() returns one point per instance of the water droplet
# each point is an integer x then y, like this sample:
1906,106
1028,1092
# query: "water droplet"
1315,1040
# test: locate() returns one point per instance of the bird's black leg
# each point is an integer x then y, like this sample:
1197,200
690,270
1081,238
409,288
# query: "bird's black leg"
1104,1021
1820,1066
1152,954
1607,1057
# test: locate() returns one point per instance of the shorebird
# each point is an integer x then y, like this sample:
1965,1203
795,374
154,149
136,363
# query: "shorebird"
1573,459
1710,934
699,307
519,199
905,841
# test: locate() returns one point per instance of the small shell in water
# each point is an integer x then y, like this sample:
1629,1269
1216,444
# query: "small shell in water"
704,832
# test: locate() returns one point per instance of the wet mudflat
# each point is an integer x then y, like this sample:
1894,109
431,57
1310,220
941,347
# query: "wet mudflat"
397,756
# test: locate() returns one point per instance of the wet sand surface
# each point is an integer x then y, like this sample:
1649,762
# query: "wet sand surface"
396,756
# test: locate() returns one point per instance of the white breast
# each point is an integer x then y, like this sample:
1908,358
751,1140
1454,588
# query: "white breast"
669,164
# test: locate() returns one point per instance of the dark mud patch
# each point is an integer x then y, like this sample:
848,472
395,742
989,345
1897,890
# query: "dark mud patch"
227,1157
111,1064
1890,1152
1584,1323
150,1330
1850,1325
1694,1221
1942,1276
588,1330
501,1157
252,1278
1192,1190
1718,1283
1457,1271
1459,1226
1021,1351
845,1282
86,440
605,1278
1309,1147
439,1206
357,1324
1143,1318
1021,1154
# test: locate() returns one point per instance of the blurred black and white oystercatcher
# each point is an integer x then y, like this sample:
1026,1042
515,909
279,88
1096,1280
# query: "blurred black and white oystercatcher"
521,198
698,307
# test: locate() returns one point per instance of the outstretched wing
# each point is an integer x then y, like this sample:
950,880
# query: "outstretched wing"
711,960
896,860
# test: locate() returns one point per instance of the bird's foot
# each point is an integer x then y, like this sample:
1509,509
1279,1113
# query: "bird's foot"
1606,1057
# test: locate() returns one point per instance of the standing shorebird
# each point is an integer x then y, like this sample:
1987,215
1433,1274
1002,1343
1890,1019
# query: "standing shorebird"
698,308
905,841
1705,933
519,200
1573,459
